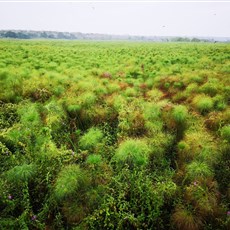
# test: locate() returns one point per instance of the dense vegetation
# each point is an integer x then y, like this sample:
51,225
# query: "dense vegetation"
114,135
28,34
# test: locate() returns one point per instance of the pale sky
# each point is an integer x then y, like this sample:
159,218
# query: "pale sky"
134,18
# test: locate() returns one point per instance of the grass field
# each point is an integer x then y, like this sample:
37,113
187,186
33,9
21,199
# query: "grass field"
114,135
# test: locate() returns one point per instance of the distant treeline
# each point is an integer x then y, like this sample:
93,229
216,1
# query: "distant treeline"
24,34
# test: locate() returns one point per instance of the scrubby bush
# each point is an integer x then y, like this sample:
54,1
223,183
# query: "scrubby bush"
154,94
180,116
192,88
131,120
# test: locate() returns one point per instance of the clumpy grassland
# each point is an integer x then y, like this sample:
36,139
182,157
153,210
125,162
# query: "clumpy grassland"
104,135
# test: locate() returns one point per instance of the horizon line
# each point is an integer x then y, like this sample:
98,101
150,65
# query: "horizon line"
116,1
110,34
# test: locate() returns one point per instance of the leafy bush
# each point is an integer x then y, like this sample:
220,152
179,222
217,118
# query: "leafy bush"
135,202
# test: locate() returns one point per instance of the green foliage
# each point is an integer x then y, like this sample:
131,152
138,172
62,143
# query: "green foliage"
30,115
22,173
94,159
130,92
91,138
152,112
222,171
184,218
132,152
203,103
131,120
74,108
225,133
8,115
6,158
70,179
87,99
198,170
209,88
134,202
109,135
180,114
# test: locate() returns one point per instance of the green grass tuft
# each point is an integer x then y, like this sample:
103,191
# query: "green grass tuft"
180,113
132,152
203,103
199,170
90,139
94,159
225,132
69,180
21,173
